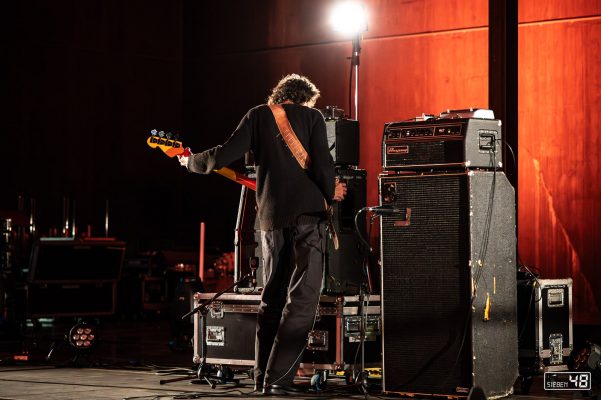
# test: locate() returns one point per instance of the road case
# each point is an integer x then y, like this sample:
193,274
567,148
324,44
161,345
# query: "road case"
333,344
544,324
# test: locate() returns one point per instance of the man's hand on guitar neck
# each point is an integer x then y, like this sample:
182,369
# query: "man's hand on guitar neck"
183,160
339,190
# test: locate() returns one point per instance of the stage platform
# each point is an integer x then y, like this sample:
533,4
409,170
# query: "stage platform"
50,383
131,359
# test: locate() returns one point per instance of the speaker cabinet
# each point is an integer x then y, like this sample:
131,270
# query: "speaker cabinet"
60,260
71,277
449,283
71,299
343,267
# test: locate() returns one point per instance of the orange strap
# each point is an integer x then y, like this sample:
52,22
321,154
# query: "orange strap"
295,146
301,155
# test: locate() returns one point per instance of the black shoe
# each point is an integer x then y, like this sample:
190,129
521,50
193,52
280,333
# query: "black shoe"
284,389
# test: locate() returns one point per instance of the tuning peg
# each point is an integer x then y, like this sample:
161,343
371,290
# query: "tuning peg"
153,132
169,135
161,134
176,137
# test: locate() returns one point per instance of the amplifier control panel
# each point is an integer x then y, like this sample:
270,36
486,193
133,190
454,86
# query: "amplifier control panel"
424,132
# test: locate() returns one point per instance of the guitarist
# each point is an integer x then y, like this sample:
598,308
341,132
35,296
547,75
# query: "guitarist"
292,213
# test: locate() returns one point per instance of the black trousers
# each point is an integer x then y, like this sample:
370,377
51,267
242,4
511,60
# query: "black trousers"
293,272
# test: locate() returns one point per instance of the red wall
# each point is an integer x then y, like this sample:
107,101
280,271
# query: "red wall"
559,145
90,72
426,56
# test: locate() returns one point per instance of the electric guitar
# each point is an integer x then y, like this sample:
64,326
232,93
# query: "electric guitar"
171,146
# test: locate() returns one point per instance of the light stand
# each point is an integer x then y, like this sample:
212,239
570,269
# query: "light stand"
355,69
349,18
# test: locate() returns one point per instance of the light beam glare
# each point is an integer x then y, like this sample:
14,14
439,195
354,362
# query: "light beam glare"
349,18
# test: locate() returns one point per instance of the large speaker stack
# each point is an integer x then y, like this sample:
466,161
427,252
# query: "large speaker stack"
343,273
448,258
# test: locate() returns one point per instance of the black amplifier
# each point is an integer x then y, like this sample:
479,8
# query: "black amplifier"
343,136
343,268
343,141
442,143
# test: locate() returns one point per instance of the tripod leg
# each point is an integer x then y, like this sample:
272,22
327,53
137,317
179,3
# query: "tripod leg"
181,378
203,374
209,382
364,382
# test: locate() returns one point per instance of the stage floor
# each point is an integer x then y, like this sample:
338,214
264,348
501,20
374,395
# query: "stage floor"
131,359
24,383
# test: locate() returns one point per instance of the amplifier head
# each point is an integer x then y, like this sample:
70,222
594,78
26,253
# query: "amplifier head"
442,144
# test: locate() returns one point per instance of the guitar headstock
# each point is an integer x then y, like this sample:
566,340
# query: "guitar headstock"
168,143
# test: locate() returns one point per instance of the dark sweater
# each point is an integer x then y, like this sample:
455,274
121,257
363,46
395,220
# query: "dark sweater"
287,195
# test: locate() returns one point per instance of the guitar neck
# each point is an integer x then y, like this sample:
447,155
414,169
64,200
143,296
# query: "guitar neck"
174,148
237,177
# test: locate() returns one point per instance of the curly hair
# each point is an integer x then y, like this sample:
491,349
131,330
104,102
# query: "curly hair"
295,88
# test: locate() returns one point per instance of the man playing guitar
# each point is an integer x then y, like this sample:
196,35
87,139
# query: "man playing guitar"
295,185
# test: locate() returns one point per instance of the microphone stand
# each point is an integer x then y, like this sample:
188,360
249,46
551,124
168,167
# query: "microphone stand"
366,288
203,373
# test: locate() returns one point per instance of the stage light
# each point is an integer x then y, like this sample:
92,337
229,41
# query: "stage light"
349,18
82,336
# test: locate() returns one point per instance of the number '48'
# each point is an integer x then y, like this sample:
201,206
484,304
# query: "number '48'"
580,381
